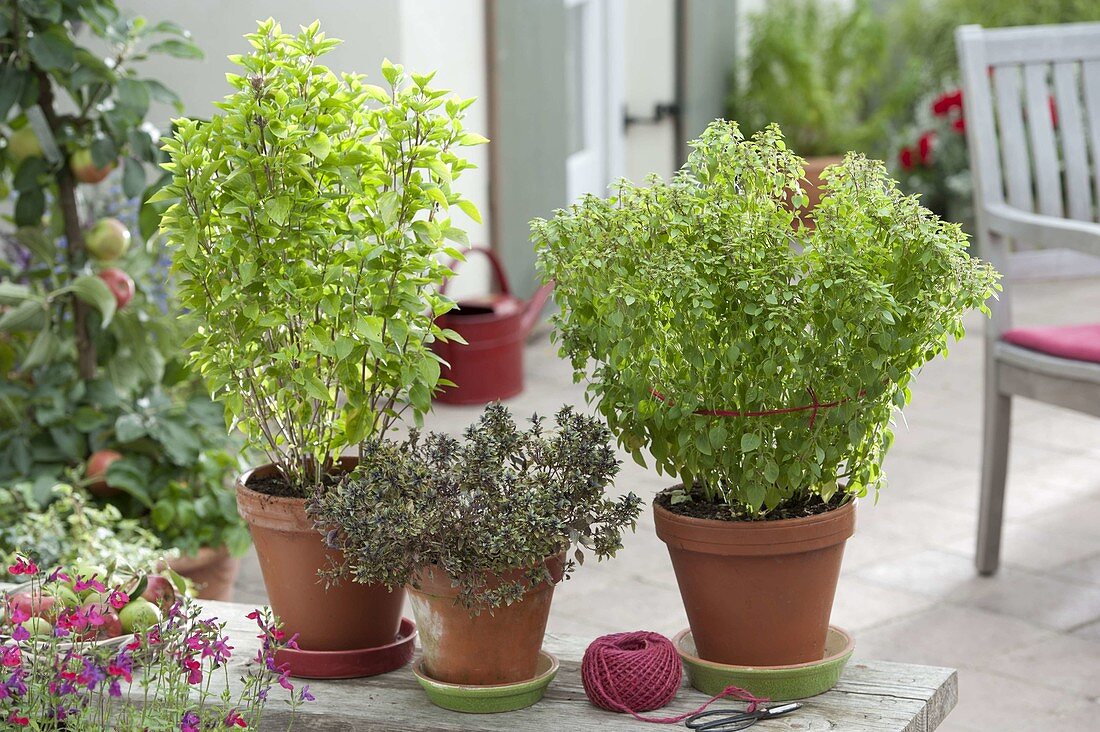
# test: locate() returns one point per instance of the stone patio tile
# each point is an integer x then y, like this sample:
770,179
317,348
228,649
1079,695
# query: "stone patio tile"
867,548
1090,631
989,701
860,604
1064,663
1040,548
623,605
947,635
1041,601
1082,570
933,573
897,516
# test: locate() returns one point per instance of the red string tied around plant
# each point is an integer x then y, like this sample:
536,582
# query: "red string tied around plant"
813,407
641,671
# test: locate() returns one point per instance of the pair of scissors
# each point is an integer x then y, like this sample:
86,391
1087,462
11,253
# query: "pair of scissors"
735,720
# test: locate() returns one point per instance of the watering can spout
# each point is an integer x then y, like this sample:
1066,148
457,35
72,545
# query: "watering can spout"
533,309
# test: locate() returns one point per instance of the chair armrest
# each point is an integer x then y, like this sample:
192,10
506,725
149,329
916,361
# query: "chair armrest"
1042,230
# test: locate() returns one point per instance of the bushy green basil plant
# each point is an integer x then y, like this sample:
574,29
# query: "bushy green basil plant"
695,305
500,499
309,219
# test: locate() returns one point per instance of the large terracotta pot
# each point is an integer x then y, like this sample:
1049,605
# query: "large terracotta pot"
213,572
757,593
347,616
497,647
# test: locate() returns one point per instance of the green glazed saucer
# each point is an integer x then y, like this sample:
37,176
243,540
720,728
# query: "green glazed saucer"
489,699
776,683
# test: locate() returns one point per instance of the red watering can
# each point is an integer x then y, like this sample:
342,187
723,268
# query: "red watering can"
495,327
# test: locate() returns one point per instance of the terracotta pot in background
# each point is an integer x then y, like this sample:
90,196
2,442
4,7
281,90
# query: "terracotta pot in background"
500,647
347,616
814,167
757,593
213,571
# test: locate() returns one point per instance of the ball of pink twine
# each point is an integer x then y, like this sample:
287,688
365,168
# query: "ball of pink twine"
641,671
631,672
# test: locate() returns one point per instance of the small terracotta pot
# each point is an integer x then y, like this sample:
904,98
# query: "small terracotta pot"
346,616
497,647
757,593
213,571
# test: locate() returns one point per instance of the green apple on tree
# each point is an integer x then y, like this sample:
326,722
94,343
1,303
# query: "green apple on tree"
108,239
84,168
23,143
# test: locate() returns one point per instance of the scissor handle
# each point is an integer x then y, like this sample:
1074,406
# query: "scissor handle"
735,720
728,717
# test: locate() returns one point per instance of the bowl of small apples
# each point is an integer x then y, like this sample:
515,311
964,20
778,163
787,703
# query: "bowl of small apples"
84,605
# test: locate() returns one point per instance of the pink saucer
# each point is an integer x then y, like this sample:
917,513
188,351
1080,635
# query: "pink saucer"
355,663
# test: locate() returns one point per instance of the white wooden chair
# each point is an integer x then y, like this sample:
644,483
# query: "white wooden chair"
1032,103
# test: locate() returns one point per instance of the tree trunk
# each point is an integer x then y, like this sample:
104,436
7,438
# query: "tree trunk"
74,235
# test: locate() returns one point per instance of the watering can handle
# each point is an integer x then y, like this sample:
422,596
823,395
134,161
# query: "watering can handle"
494,262
533,308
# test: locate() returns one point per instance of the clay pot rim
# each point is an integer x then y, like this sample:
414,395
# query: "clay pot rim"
742,524
440,583
781,536
284,513
206,556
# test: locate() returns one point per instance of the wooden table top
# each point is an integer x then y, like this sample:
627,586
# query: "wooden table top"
872,695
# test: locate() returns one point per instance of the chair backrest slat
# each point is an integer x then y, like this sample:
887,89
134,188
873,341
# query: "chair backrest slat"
1013,139
1090,82
1067,105
1044,155
1046,44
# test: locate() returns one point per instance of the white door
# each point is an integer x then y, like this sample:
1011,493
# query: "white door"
593,95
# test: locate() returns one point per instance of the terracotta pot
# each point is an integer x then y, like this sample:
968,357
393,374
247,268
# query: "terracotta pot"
498,647
343,617
213,571
757,593
814,167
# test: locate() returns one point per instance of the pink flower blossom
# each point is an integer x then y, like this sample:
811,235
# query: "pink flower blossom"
88,583
23,566
118,599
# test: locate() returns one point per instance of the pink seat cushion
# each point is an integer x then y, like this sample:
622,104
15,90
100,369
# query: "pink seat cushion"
1077,342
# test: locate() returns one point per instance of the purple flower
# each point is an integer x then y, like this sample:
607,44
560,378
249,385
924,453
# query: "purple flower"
304,694
190,722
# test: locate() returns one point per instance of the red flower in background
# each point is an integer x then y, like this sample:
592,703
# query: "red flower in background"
949,100
924,147
905,157
959,125
1053,111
